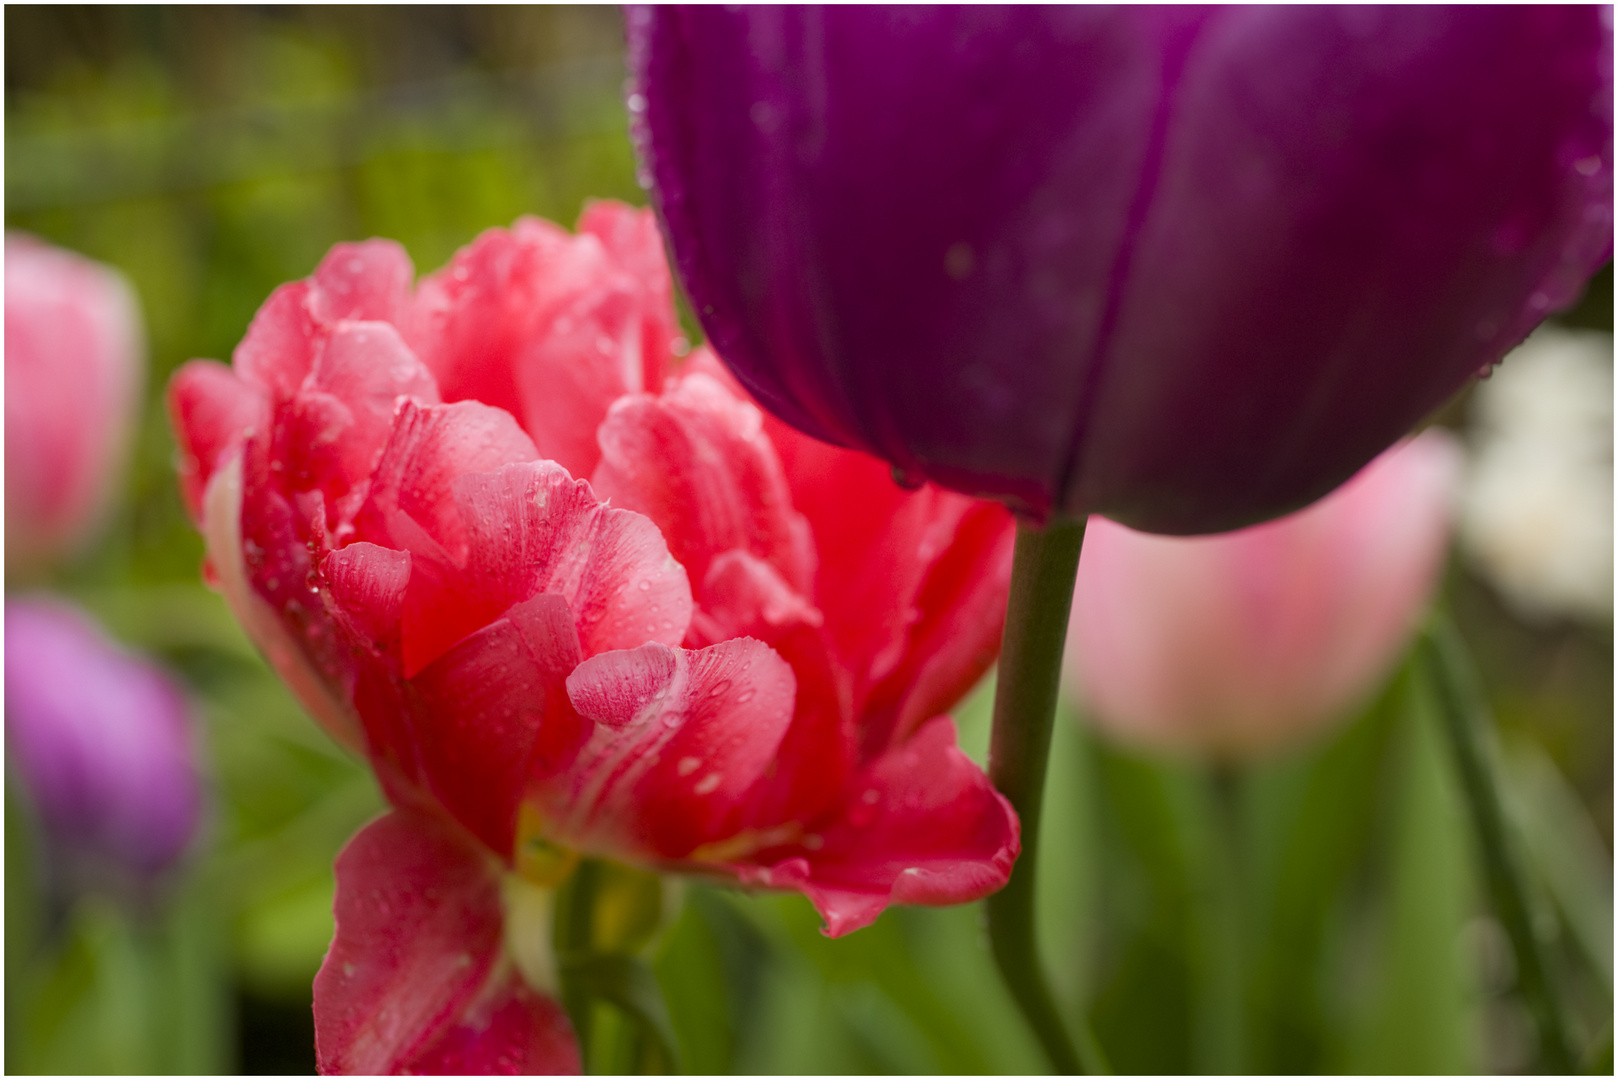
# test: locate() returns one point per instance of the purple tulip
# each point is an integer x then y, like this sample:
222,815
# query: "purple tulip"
1190,267
102,742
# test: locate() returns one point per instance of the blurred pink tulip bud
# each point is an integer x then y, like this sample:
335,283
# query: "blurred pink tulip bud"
102,742
74,368
1233,644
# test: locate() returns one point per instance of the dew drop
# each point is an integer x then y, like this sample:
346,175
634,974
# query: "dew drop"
1588,166
1539,301
688,765
644,586
744,697
637,103
707,784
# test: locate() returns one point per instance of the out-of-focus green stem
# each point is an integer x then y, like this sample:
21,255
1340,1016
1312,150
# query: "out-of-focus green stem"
575,933
1042,575
1464,714
1222,1032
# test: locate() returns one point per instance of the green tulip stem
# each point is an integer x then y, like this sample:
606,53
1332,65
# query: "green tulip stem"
1221,1041
1042,574
1464,716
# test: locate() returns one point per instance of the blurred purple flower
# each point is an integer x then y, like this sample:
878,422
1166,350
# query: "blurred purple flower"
1189,267
102,742
74,368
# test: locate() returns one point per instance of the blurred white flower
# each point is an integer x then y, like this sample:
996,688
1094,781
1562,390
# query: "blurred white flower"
1536,513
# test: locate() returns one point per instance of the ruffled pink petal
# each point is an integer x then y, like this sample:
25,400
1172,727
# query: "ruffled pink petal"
696,461
533,528
922,826
469,315
960,615
747,598
551,327
415,980
429,449
493,712
681,738
337,425
369,280
632,237
873,563
366,585
281,343
211,411
570,371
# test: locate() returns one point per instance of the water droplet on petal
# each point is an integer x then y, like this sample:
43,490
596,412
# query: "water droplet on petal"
707,784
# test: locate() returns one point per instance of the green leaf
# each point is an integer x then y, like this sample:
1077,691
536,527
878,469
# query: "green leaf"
1416,1017
1314,818
691,967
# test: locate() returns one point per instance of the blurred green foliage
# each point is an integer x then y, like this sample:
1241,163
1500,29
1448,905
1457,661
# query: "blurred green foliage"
1318,912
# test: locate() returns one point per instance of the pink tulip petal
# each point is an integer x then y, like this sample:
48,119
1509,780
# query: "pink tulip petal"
340,421
681,738
430,447
211,410
632,237
1237,643
548,326
873,563
415,980
493,711
961,613
533,528
469,316
516,1032
369,281
696,461
367,585
567,376
281,342
924,826
749,599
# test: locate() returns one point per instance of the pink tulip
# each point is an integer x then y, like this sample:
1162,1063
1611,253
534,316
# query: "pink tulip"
1237,643
74,368
726,652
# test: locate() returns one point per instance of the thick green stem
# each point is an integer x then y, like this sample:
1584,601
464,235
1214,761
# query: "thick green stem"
1042,574
1464,714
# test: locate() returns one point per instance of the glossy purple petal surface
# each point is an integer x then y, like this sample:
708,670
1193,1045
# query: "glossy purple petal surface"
1190,267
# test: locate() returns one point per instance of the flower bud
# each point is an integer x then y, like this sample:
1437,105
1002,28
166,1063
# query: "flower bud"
74,368
102,743
1231,645
1186,267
